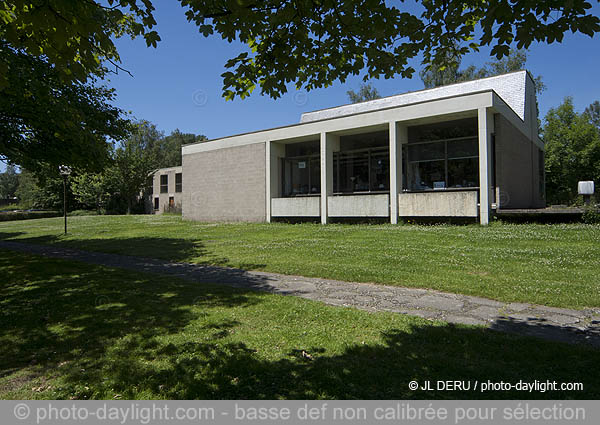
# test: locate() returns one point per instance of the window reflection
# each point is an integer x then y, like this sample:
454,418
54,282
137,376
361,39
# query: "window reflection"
365,170
442,164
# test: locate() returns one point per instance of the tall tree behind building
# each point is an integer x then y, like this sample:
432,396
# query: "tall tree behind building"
514,61
572,143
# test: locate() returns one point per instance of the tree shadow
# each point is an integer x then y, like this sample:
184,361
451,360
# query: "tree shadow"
102,333
542,328
56,312
174,249
232,370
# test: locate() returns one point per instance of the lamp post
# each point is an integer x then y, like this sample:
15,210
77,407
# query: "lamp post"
65,172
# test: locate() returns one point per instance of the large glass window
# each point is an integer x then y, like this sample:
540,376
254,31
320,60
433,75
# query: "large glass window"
365,170
442,164
380,170
301,170
301,176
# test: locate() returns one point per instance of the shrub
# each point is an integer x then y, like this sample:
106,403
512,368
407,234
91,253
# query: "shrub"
80,213
591,216
26,215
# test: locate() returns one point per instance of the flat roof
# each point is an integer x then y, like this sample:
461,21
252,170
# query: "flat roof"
511,87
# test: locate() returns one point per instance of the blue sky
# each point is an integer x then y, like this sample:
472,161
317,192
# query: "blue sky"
178,84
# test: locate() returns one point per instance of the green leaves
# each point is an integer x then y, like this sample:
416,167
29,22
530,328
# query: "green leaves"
74,35
47,121
308,43
313,44
572,150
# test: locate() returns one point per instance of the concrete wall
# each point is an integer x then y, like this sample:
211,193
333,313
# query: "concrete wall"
438,204
163,198
305,206
226,184
517,178
359,205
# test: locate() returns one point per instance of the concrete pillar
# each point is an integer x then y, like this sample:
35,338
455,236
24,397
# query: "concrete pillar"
398,136
329,144
273,153
485,131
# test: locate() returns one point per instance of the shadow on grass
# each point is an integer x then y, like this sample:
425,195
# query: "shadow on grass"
175,249
149,248
542,328
100,333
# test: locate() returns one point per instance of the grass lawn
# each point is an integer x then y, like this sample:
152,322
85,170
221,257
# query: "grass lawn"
75,331
555,265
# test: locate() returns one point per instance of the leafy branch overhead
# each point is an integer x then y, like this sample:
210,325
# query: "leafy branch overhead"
310,43
314,43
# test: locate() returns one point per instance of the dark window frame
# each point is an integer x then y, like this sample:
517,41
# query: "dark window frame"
164,186
178,182
369,151
407,173
308,159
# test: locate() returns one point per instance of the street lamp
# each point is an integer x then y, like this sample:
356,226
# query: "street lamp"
65,172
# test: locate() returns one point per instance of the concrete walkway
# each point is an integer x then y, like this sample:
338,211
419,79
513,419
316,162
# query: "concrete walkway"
557,324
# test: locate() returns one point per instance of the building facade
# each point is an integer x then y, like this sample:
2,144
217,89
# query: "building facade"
462,150
167,190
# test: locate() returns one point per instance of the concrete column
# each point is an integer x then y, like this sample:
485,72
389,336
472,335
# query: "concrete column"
485,130
329,144
268,172
273,153
398,136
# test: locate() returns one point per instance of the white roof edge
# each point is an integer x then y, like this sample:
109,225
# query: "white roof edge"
510,87
162,170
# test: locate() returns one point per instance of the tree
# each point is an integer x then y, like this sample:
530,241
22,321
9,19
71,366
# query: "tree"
515,60
309,43
366,92
76,37
118,187
134,161
572,144
91,190
593,113
448,73
45,121
170,155
46,192
321,42
9,182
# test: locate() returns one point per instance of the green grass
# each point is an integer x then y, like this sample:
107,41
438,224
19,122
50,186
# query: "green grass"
555,265
70,330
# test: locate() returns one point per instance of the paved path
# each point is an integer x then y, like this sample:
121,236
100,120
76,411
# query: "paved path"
556,324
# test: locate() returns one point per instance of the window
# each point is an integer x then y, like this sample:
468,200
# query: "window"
452,163
171,202
301,176
178,183
156,200
364,170
301,169
164,183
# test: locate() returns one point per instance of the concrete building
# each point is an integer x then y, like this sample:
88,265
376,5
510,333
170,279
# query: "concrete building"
462,150
167,190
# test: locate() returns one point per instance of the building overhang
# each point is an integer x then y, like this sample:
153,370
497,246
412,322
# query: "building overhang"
424,112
